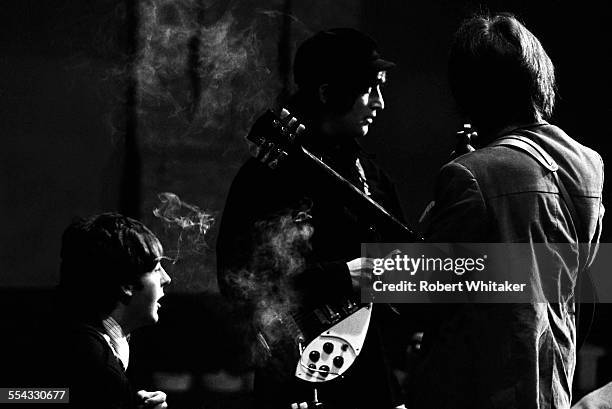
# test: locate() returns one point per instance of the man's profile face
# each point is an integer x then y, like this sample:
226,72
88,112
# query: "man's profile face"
356,122
144,303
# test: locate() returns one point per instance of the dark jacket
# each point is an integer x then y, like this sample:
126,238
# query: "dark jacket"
512,355
90,369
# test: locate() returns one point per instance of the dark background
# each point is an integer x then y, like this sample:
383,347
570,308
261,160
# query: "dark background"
105,104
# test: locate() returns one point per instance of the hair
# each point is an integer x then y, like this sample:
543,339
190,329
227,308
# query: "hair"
499,71
100,254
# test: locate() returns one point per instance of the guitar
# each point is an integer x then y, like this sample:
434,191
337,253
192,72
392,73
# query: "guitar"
326,341
277,138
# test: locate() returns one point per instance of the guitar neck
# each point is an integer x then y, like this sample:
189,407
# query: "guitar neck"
270,131
401,230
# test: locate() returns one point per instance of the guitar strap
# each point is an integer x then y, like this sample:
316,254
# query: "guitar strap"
584,285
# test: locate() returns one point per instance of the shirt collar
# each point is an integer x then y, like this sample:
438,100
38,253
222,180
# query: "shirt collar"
341,152
117,340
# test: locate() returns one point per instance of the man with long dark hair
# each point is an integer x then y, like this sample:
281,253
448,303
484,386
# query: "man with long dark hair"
528,183
288,236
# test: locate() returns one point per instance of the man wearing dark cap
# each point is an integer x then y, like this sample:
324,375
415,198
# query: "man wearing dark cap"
287,234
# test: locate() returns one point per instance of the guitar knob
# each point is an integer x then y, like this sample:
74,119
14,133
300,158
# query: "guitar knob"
338,361
324,369
328,347
345,347
312,367
314,356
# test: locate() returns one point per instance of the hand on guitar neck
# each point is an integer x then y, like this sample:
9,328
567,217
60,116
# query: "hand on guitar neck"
361,269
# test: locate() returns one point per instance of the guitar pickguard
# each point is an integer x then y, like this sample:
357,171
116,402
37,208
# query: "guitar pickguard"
330,354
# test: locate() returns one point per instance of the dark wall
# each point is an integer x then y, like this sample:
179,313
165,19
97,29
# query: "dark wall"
56,110
72,92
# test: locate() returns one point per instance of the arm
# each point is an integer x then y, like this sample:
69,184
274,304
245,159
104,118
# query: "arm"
459,213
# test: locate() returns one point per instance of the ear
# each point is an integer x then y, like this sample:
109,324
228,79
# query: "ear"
126,292
324,93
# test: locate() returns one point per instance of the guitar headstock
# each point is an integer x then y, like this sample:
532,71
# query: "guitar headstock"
272,137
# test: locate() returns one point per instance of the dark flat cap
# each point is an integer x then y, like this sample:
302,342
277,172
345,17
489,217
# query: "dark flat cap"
335,55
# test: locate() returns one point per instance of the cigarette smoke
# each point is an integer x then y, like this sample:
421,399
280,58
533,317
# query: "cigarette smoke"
209,69
191,222
283,244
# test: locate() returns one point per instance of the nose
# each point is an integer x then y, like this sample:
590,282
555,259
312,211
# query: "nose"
376,99
165,278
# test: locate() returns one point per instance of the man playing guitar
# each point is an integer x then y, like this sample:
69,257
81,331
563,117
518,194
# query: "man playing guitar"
287,233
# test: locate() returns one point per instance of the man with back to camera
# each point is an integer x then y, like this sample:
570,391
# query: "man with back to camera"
510,191
111,284
340,75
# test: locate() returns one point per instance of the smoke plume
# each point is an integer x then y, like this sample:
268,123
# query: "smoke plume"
283,243
191,222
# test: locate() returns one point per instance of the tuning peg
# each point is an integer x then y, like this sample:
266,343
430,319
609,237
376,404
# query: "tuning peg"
292,135
291,122
280,156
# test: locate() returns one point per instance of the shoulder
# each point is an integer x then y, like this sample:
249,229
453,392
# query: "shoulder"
87,348
88,337
456,181
252,183
460,211
250,170
500,169
255,176
581,164
550,133
461,170
580,167
489,158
